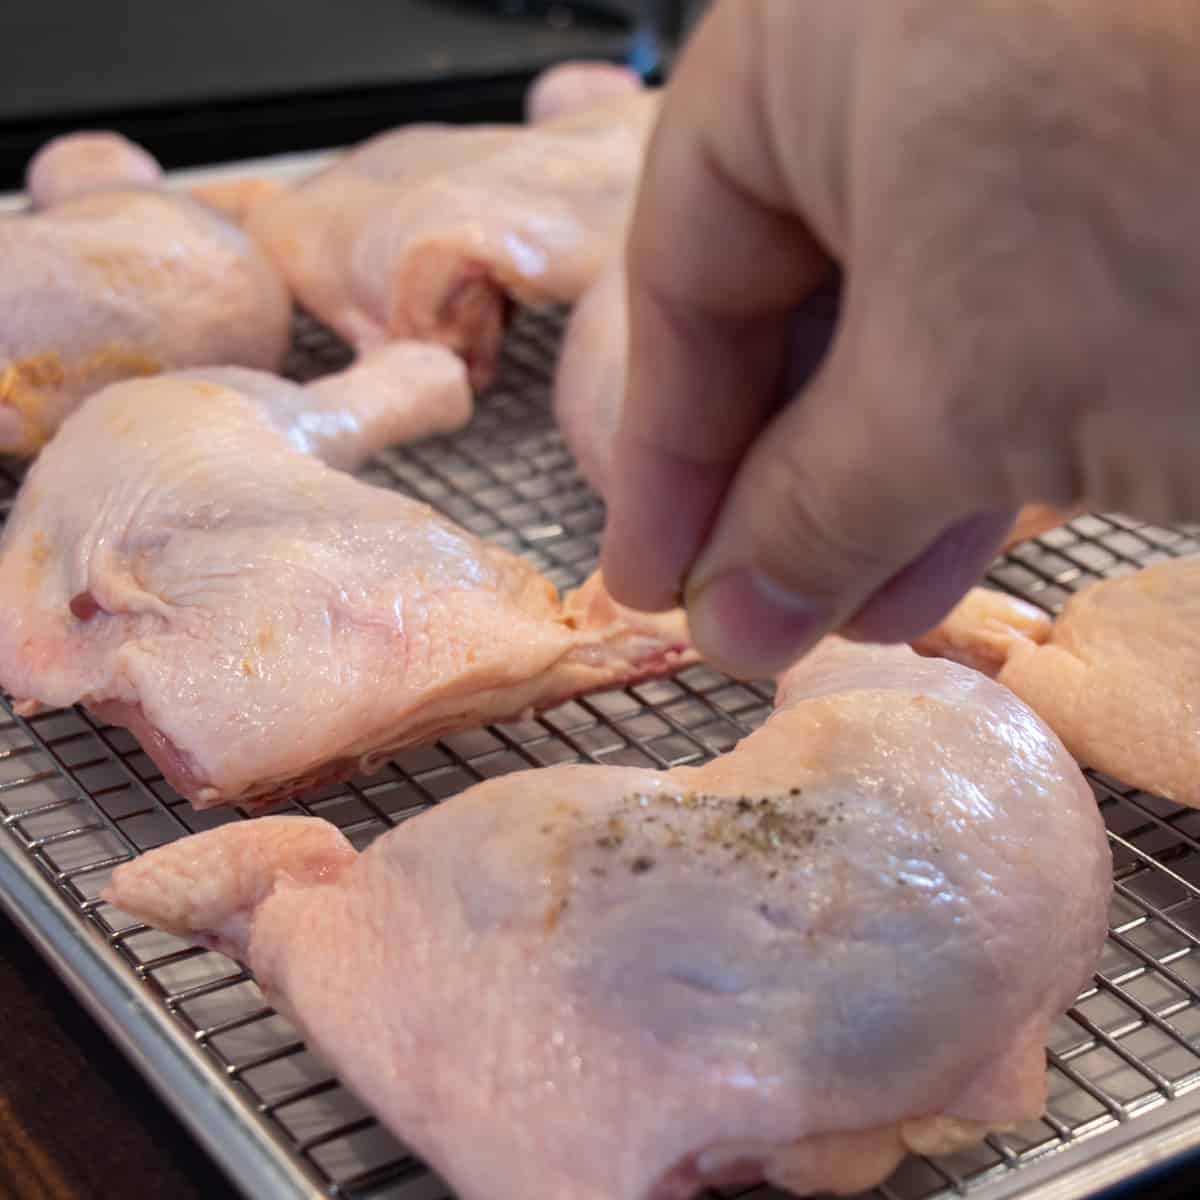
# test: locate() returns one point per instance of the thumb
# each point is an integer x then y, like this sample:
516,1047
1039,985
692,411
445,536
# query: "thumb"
849,513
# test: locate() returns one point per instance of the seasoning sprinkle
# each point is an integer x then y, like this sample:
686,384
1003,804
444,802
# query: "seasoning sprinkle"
742,826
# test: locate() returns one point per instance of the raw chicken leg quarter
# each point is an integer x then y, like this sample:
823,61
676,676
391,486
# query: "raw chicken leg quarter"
431,231
842,940
181,562
117,279
1116,675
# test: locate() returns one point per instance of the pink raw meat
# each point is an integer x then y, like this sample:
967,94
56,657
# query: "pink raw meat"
431,231
116,279
1116,675
262,622
843,940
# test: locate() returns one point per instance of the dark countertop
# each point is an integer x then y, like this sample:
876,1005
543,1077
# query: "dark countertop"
146,54
77,1122
241,78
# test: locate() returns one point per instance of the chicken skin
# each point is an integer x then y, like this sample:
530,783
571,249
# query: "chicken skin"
843,940
1116,675
119,278
432,231
180,561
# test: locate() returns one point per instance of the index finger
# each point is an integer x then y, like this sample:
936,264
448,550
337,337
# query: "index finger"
716,263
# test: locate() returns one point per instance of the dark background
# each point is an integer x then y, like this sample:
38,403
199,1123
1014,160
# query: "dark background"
230,79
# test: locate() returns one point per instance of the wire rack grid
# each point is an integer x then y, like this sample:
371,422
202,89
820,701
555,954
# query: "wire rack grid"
78,797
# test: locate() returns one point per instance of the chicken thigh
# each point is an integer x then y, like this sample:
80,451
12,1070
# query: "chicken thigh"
430,231
262,622
843,940
1116,675
112,284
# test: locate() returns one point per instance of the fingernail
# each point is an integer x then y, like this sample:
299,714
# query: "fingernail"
749,626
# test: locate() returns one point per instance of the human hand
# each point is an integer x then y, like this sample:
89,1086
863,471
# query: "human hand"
1009,188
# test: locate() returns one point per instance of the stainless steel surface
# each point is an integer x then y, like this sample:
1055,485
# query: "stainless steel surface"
77,797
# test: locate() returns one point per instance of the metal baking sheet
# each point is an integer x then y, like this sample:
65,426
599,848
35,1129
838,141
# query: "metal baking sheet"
78,797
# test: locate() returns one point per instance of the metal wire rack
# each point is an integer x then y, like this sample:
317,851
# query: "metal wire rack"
78,797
